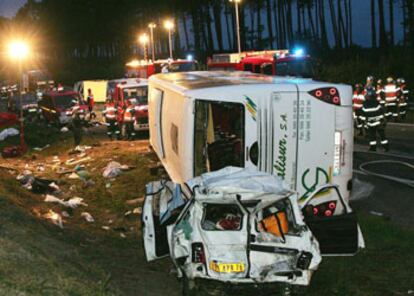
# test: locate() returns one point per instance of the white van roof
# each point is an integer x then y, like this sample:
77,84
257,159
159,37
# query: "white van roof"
183,81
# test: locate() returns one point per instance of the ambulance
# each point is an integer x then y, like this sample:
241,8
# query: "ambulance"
298,129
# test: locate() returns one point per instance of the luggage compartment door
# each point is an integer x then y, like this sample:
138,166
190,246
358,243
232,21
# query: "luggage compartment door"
332,222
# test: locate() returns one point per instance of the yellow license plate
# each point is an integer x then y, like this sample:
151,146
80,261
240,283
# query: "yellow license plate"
227,267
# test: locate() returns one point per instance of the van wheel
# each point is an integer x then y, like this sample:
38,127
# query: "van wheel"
189,287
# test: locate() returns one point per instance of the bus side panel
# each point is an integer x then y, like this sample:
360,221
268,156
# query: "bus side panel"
316,136
280,138
175,135
344,127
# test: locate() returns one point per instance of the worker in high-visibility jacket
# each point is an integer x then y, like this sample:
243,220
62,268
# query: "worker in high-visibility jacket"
373,115
403,98
357,102
110,113
380,92
392,92
129,120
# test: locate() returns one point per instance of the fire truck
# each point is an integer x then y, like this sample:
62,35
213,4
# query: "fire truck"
144,69
271,62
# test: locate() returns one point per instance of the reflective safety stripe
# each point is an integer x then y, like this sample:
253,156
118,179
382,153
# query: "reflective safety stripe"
372,124
358,106
117,132
391,104
402,104
371,109
373,143
384,142
363,117
395,114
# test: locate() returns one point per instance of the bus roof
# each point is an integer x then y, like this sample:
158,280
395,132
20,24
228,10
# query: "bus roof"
184,81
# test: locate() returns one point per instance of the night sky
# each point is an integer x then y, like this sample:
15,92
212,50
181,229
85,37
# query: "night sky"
361,17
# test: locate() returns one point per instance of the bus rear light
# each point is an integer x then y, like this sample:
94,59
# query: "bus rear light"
328,213
329,95
332,206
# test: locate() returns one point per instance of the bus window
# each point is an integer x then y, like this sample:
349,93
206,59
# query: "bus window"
219,136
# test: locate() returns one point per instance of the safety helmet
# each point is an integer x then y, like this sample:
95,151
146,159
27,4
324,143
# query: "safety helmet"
390,79
379,81
370,78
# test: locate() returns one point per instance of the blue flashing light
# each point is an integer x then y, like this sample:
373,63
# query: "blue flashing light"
299,52
190,57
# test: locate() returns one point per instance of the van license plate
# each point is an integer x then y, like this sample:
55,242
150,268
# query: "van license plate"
227,267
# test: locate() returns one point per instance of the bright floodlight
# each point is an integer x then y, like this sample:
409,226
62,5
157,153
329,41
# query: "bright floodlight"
143,39
18,50
168,24
152,25
236,1
299,52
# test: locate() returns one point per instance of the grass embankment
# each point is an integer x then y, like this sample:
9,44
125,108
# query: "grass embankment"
38,258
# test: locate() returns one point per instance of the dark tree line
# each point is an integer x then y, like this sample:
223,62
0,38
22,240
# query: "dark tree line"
108,28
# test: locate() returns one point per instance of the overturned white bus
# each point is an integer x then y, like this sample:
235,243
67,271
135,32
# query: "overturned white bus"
298,129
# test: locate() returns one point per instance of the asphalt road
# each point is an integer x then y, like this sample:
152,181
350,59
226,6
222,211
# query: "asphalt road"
381,196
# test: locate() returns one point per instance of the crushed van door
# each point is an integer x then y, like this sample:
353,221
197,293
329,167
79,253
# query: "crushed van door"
162,205
281,246
332,222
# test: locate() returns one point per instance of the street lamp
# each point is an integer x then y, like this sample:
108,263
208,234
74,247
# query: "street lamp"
169,25
19,51
152,26
143,39
236,6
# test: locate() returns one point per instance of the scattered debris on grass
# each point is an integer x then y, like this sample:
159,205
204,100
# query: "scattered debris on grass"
88,217
114,169
54,217
41,148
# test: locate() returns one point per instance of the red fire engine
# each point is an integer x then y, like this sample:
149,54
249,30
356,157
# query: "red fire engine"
144,69
272,62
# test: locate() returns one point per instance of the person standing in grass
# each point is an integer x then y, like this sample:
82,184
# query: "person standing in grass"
90,100
77,124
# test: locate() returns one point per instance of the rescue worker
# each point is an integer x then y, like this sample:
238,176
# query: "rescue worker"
91,103
357,102
370,82
391,92
129,120
403,98
373,115
380,92
110,114
77,124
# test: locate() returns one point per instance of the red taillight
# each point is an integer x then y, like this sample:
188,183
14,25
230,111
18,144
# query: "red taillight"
328,213
198,255
332,206
329,95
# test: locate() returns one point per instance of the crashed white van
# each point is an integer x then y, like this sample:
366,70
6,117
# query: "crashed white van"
298,129
245,226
